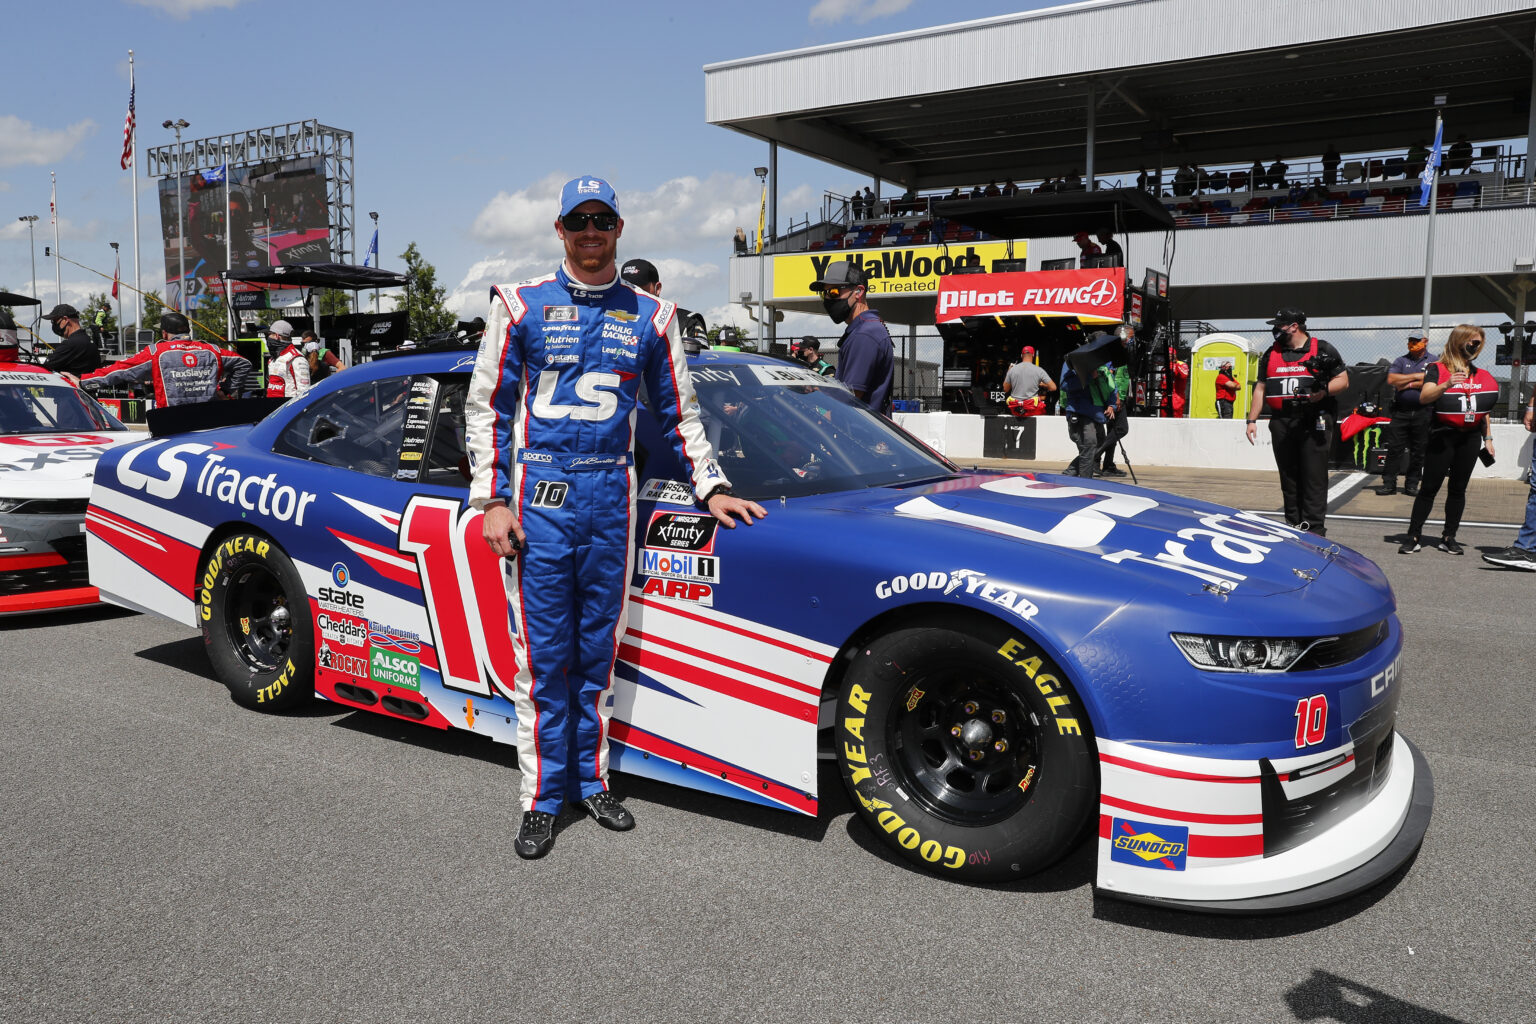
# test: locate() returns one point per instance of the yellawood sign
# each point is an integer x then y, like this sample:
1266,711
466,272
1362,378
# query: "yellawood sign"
905,270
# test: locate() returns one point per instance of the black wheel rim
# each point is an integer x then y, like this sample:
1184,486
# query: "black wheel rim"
258,619
965,745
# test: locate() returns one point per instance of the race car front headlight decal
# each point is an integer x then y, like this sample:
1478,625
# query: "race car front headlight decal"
7,504
1243,653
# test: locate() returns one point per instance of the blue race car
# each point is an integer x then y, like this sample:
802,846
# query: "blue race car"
1000,664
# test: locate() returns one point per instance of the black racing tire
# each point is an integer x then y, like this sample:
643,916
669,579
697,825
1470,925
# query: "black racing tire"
920,717
255,619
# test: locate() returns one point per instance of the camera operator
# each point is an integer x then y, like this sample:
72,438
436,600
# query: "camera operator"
1298,380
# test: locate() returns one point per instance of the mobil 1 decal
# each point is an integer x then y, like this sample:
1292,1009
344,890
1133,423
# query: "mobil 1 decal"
682,531
420,399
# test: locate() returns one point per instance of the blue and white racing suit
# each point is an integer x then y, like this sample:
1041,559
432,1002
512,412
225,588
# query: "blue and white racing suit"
550,419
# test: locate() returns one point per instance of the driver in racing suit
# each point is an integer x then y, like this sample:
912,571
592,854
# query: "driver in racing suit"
550,418
184,371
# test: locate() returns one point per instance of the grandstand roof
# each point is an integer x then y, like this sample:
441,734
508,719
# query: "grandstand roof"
1202,81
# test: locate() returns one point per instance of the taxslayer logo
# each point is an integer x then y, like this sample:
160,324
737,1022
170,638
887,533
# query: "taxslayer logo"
188,359
681,531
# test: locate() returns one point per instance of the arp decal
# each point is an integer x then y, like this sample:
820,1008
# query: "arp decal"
681,590
1148,844
682,531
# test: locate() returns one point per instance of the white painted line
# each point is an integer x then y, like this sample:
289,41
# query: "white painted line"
1393,519
1352,482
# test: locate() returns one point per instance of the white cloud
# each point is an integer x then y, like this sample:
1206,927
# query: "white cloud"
186,8
830,11
684,226
22,142
43,232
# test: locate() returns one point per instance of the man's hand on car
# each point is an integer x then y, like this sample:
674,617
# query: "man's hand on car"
724,506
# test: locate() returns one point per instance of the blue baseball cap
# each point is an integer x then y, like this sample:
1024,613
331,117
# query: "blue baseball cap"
579,190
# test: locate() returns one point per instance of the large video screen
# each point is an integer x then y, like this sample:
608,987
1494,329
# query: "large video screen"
277,216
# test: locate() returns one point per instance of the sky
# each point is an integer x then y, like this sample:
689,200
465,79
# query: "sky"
467,117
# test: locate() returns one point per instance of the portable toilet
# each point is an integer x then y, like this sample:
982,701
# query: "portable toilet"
1205,357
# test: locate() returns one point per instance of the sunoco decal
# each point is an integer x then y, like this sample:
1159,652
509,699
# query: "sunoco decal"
1148,844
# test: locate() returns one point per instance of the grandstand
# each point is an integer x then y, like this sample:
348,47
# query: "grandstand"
1181,98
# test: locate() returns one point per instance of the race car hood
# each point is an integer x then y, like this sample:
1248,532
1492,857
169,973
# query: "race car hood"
55,465
1154,538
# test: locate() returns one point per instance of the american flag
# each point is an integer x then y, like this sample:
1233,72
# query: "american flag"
128,131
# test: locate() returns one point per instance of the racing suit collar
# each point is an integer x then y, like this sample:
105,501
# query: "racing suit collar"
570,283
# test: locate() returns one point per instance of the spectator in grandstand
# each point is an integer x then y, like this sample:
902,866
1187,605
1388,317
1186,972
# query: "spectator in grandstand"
1418,156
909,201
1226,390
954,193
1522,555
1277,173
1331,165
1009,188
1145,183
740,242
992,190
1085,245
1184,181
1461,396
1111,247
865,356
977,192
856,205
869,202
1046,185
1258,177
1407,435
1460,156
1072,182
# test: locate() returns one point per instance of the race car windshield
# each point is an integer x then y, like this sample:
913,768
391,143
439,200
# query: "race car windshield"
783,431
50,409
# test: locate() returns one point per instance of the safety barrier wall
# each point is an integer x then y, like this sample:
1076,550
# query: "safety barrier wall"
1204,444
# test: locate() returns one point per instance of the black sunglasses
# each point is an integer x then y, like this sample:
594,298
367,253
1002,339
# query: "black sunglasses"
579,221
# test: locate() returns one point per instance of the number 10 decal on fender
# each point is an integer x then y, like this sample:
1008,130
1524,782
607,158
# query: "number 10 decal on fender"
473,637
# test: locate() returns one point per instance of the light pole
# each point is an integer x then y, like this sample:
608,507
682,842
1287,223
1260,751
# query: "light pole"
375,215
181,231
31,219
762,254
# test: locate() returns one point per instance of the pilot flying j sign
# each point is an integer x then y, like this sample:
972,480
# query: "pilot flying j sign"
1090,295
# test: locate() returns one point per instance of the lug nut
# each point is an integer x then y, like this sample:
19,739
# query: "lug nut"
955,732
1000,746
974,755
971,707
999,717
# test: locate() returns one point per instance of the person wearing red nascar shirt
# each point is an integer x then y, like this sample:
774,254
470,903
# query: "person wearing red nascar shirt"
1302,412
183,371
1462,396
288,372
549,417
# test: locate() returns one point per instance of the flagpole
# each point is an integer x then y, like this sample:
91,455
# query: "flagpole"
1431,178
229,258
53,208
133,182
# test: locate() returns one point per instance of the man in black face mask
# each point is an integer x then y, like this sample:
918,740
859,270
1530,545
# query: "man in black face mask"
865,356
77,353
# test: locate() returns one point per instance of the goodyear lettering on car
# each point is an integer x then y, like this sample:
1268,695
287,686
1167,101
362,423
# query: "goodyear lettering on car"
1049,686
1148,844
886,816
967,581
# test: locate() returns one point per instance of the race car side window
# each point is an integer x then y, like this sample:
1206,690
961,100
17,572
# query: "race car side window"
356,428
446,462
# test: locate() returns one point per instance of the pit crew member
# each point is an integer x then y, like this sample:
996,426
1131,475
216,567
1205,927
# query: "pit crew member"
288,372
184,371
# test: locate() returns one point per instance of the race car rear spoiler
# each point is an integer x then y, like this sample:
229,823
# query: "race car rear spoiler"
181,419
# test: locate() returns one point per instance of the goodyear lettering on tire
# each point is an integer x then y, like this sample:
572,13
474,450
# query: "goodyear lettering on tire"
215,566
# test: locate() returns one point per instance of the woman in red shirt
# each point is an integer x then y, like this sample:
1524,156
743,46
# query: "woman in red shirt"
1462,396
1226,390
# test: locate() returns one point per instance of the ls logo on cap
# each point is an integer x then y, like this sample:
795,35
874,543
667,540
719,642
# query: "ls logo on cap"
586,185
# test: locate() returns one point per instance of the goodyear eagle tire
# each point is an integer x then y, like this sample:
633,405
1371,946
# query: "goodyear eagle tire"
256,624
966,750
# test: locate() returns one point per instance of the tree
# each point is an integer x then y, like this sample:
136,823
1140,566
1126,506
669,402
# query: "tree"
422,300
154,305
210,322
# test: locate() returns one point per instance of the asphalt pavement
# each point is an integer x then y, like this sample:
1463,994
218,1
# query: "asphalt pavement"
169,856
